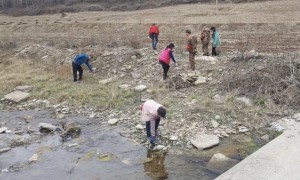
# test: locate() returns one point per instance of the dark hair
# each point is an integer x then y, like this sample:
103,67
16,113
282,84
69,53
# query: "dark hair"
213,29
171,45
188,31
153,24
162,112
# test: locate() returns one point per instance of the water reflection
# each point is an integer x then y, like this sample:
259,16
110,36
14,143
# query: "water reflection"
155,165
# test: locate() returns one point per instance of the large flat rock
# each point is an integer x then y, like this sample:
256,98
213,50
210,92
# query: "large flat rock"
17,96
205,141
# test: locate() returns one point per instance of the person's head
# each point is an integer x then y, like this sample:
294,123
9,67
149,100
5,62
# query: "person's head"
161,111
153,24
213,29
188,32
171,46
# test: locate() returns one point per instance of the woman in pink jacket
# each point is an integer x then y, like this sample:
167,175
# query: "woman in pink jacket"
164,58
151,114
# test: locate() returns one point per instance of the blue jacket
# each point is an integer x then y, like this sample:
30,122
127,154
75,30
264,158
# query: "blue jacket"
83,59
216,39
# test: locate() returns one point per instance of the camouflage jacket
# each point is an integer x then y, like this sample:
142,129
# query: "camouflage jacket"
192,44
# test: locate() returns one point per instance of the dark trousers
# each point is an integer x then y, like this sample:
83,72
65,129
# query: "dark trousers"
214,52
154,38
148,127
166,68
76,68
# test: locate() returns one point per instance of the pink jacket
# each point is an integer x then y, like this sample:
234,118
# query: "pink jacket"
149,113
164,56
149,110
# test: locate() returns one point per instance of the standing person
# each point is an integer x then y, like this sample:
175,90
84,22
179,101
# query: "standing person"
164,59
205,38
76,65
151,114
153,34
191,48
215,41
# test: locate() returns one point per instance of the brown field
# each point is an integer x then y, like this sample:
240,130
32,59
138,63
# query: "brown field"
264,26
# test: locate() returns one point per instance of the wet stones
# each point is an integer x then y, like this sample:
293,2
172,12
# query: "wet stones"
71,130
113,121
219,163
3,129
46,127
2,150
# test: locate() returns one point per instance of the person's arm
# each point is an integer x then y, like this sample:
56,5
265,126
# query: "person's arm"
157,31
89,66
172,56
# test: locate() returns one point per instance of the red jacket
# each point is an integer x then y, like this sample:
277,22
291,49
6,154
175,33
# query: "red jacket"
154,30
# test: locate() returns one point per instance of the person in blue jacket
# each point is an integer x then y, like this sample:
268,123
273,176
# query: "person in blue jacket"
76,65
215,41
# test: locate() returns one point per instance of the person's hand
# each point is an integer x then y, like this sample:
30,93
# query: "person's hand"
152,140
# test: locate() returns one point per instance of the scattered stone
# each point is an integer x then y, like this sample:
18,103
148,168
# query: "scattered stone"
28,119
140,88
243,129
124,86
173,138
23,88
60,116
139,126
135,75
126,161
220,163
33,158
200,80
46,126
5,149
297,117
244,100
106,53
71,130
159,147
17,96
205,141
218,99
224,134
3,129
107,81
214,123
73,145
113,121
276,127
4,170
217,117
265,138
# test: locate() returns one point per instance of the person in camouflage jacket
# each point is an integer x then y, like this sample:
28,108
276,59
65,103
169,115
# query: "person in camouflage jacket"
205,39
191,47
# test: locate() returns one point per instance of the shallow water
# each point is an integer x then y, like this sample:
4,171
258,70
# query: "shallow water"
101,153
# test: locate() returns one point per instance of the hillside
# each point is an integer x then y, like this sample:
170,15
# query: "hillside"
33,7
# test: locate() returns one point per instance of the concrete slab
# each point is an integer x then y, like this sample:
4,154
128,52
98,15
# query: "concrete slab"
277,160
17,96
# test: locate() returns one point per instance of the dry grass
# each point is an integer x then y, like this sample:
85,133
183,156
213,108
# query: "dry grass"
56,85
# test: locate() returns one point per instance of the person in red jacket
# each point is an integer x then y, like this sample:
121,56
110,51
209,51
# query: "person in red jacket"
153,34
164,58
